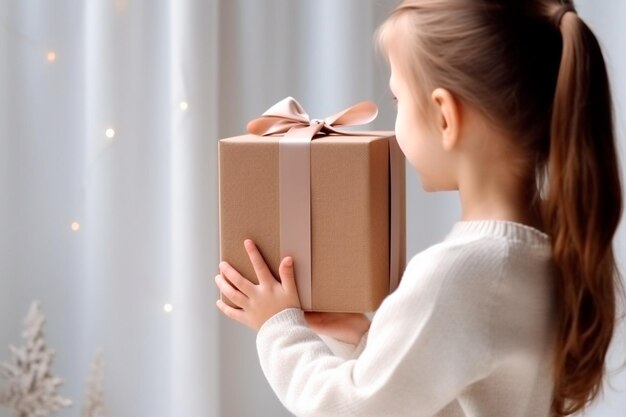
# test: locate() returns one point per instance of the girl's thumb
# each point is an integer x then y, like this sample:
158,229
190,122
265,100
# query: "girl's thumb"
286,271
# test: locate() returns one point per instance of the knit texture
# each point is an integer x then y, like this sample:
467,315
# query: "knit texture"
469,332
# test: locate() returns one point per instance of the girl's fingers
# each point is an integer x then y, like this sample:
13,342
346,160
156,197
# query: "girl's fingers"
287,274
231,312
236,279
263,273
231,292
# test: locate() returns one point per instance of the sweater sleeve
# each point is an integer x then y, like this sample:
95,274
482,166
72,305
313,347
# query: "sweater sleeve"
427,342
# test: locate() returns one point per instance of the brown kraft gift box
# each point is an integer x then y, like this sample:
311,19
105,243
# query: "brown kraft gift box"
350,214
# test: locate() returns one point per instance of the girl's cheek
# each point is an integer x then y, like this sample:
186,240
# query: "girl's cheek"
406,135
405,146
400,135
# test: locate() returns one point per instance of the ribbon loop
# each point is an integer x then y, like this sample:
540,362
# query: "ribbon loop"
359,114
288,114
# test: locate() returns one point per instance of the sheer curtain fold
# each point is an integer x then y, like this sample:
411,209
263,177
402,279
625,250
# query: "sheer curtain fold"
193,218
127,202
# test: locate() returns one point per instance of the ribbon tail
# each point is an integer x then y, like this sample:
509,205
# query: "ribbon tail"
397,214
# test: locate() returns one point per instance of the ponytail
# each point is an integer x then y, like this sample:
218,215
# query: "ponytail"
581,212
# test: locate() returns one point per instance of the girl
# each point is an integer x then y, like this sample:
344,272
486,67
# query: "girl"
512,313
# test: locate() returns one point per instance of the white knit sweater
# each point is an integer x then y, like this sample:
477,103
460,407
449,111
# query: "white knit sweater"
469,332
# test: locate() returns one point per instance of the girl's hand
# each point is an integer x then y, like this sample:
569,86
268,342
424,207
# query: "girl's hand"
257,303
346,327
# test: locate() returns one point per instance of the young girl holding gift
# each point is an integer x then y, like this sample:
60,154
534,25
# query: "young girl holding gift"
507,102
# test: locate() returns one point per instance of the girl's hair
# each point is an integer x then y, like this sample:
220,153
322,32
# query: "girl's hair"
539,76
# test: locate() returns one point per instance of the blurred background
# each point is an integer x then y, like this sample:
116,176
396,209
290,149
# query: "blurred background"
110,113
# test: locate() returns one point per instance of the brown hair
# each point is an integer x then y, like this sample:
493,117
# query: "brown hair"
537,73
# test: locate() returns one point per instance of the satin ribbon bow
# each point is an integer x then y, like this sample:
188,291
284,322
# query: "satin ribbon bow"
288,114
288,118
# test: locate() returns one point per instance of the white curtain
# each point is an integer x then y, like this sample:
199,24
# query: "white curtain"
108,178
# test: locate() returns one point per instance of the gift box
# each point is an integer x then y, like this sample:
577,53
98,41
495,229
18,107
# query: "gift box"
333,200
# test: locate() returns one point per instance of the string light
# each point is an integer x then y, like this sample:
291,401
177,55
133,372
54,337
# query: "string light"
110,133
168,308
184,105
52,56
121,5
75,226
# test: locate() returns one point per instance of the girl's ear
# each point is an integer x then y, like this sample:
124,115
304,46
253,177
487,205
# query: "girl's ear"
447,111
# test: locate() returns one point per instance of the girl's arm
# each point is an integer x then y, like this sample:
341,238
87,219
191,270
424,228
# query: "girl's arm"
427,342
422,351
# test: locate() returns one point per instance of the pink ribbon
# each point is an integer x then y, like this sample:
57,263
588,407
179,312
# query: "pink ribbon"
288,118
